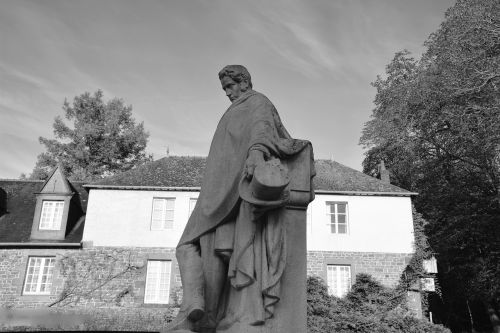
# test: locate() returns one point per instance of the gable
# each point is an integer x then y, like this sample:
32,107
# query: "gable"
56,183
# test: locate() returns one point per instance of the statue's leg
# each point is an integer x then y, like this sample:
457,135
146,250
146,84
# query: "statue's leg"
215,272
191,269
193,300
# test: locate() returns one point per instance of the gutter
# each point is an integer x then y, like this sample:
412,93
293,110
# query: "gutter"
147,188
384,194
39,245
197,189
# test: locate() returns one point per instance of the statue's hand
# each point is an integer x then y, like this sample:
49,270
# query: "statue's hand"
255,157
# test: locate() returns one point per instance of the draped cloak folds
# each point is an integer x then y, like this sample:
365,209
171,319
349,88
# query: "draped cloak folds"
251,122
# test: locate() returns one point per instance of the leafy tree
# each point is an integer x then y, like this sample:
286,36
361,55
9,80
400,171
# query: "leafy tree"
104,140
436,123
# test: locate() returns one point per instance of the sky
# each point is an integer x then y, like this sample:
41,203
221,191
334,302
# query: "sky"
314,59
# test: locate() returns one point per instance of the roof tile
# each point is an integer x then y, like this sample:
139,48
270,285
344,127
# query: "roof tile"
187,171
20,200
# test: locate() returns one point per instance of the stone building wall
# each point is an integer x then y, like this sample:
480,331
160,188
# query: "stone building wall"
121,273
13,263
93,277
384,267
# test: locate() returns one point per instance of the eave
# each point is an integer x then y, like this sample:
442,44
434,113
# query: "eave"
367,193
27,245
142,188
197,189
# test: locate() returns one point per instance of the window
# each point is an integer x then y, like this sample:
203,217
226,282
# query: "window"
428,284
192,203
337,214
338,279
51,216
39,276
430,265
157,282
163,214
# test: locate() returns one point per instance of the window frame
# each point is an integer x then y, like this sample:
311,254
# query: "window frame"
158,282
55,225
430,265
39,275
341,292
164,213
329,214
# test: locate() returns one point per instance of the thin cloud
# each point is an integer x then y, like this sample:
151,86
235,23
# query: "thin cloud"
23,76
293,43
162,58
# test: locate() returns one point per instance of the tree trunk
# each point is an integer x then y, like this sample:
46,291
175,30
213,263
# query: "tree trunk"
472,329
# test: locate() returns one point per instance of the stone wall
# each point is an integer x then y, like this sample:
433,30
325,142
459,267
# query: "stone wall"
384,267
13,263
118,274
92,277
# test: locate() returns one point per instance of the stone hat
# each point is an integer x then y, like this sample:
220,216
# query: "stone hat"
267,186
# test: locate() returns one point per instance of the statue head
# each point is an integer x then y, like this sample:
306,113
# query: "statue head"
235,80
237,73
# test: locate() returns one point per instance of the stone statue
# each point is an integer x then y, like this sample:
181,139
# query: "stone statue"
235,251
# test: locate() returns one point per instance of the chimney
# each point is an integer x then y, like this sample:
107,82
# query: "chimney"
383,173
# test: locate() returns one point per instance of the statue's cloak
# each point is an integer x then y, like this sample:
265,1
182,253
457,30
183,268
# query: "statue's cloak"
251,122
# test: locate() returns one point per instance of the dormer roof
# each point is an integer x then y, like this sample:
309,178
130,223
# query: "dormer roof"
20,199
57,182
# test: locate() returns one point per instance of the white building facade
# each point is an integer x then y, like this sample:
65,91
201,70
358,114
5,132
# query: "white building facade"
356,224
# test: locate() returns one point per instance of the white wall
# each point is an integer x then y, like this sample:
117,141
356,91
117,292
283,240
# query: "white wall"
123,218
376,224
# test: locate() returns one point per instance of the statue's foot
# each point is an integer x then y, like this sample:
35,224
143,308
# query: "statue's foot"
181,324
196,314
185,322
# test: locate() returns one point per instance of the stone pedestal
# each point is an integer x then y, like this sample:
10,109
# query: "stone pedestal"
290,314
291,311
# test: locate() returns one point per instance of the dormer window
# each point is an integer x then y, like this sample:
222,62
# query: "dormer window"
52,213
52,209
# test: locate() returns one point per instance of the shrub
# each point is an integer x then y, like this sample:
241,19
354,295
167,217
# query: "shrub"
368,307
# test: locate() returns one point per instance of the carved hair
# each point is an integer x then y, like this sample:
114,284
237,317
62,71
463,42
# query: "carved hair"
236,72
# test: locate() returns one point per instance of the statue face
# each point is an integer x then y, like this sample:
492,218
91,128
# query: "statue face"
232,88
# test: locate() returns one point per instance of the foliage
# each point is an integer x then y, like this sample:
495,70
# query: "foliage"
104,140
368,307
436,124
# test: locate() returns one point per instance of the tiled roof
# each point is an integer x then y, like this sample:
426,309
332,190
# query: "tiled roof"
175,171
187,171
333,176
20,199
